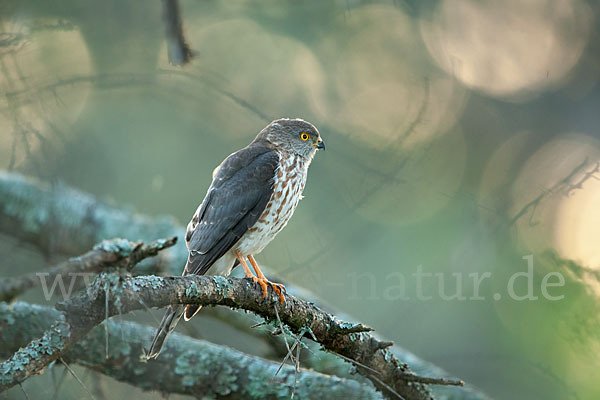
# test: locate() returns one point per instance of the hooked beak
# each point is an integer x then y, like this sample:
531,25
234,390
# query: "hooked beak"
320,144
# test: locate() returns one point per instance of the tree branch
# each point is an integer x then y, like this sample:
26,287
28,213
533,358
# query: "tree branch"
87,310
108,253
186,366
61,220
40,352
179,52
34,211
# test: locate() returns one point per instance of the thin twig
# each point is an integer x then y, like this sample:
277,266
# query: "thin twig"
282,332
149,310
285,359
432,381
76,377
24,392
297,369
356,363
258,324
179,52
106,319
388,387
60,382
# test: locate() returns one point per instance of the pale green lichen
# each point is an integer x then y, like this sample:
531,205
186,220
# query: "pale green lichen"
6,313
117,291
122,247
192,290
187,366
348,326
119,348
21,199
261,384
387,356
93,345
206,366
111,284
149,281
51,342
160,243
188,380
222,284
306,329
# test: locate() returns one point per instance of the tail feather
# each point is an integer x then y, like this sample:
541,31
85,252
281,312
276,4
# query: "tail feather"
176,311
167,325
190,311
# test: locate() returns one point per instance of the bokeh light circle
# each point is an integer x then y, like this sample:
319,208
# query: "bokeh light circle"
386,93
510,49
45,81
553,199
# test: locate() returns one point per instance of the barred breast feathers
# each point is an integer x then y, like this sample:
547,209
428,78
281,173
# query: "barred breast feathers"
288,184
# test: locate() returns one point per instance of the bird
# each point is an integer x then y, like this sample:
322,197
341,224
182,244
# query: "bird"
253,195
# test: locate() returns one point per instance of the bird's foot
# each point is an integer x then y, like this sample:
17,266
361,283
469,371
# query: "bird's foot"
279,289
264,283
262,280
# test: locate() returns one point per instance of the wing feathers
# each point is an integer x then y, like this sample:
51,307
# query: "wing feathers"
238,195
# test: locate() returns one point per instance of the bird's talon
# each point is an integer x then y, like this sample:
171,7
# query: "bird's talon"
263,285
279,290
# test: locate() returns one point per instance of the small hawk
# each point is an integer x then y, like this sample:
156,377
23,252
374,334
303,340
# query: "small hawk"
253,194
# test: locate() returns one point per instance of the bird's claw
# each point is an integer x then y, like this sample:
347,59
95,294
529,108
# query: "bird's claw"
278,288
263,285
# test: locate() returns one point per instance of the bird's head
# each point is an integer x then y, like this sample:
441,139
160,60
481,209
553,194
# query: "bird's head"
294,136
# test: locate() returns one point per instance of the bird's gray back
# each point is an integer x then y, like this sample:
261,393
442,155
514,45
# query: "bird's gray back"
241,188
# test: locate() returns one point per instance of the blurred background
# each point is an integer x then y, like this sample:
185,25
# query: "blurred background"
461,135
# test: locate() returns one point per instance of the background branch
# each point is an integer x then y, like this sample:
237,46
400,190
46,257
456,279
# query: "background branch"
186,366
108,253
179,52
57,219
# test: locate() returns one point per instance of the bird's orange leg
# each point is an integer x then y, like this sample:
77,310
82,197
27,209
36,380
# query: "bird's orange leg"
249,273
277,287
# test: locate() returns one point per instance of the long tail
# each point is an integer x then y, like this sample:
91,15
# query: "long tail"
167,325
176,311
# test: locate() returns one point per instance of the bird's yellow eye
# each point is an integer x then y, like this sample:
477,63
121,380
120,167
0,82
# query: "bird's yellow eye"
304,136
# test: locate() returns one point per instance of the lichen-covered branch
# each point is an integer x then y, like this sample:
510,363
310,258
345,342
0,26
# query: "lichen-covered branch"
108,253
40,352
61,220
87,310
36,212
349,340
186,366
331,364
